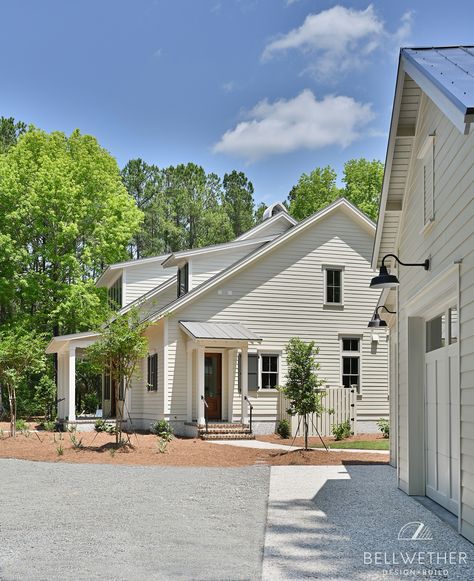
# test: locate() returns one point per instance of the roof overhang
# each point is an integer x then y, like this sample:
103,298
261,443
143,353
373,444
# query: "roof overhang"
62,343
225,334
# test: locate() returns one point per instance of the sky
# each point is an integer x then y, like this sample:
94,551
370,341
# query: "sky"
273,88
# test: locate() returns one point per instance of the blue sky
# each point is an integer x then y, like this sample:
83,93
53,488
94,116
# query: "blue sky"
273,88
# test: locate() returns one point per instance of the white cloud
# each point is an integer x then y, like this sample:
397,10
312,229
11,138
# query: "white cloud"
339,38
229,87
299,123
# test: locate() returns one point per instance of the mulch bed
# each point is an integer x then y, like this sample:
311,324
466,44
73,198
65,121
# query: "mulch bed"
101,449
299,441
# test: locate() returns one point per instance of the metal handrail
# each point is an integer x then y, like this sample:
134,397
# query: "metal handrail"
205,413
251,410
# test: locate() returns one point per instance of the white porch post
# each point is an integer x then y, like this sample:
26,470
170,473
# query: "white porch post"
189,379
71,384
201,420
231,385
244,383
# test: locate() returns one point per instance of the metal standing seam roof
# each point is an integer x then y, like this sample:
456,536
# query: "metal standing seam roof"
451,69
223,331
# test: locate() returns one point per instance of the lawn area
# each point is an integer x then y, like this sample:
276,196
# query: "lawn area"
380,444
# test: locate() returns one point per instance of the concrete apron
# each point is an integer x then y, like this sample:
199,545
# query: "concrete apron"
344,522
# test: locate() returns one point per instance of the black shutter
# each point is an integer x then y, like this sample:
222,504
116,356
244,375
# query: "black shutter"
252,371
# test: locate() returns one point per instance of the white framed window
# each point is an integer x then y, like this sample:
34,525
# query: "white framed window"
182,277
350,362
115,295
152,372
442,330
263,371
333,285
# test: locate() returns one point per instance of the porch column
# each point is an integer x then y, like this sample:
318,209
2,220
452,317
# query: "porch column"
71,384
244,383
201,420
189,380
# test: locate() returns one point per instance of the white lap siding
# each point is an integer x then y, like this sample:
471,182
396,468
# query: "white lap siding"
450,238
141,278
281,296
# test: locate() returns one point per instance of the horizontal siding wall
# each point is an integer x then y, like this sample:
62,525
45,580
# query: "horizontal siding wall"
141,278
450,238
281,296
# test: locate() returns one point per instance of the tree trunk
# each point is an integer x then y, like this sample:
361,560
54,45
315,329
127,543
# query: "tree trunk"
306,431
12,402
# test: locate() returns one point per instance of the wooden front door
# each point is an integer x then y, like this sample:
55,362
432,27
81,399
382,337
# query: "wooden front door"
213,385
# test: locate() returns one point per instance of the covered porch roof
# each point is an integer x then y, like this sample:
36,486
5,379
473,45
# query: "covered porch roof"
63,342
228,333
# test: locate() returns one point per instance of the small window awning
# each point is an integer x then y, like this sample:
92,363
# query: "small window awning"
205,331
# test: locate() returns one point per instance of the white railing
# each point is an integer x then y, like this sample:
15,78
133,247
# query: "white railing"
342,400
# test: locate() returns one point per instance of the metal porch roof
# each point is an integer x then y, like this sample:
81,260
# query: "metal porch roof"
223,331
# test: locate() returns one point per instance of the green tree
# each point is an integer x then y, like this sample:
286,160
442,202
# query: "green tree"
21,354
313,192
260,209
238,201
64,212
10,131
119,349
363,184
144,183
303,386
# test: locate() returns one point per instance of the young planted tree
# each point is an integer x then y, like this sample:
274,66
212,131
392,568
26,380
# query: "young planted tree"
303,386
121,346
21,355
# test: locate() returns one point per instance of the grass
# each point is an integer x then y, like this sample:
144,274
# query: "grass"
358,445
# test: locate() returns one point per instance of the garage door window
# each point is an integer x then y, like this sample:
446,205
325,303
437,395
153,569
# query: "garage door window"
436,333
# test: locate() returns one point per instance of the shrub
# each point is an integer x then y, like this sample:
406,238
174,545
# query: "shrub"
90,403
283,429
384,427
162,428
342,430
48,425
76,444
103,426
60,450
22,426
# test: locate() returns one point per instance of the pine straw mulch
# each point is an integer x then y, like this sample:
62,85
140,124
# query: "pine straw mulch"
100,448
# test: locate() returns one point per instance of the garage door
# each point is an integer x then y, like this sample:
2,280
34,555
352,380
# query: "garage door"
442,413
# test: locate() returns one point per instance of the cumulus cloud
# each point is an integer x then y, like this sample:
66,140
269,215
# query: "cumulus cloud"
340,38
299,123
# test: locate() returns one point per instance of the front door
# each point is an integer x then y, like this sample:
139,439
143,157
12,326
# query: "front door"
442,427
213,385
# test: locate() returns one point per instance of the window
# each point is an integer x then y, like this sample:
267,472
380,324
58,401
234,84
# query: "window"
351,362
152,376
107,384
436,333
115,294
269,371
453,325
183,279
333,286
265,367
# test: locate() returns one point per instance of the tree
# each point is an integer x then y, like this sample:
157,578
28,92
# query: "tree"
303,387
313,192
21,354
121,346
64,212
144,183
363,184
238,201
10,131
258,216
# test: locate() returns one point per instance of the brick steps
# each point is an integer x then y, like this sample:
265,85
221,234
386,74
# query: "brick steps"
234,436
225,432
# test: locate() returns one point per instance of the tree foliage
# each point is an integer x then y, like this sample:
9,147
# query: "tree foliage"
64,213
21,355
121,346
303,386
313,192
363,184
10,131
238,201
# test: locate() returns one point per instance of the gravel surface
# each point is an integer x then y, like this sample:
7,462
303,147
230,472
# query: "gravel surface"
89,521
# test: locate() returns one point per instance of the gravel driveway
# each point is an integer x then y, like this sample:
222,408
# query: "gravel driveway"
89,521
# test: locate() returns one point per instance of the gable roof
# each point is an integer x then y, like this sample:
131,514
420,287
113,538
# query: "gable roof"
446,76
260,228
175,258
251,258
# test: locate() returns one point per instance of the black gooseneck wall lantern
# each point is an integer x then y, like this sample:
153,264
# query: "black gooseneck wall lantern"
376,321
386,280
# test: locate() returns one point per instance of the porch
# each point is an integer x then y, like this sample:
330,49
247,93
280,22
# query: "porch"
217,362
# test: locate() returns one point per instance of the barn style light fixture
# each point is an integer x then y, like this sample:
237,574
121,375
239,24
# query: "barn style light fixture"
386,280
376,321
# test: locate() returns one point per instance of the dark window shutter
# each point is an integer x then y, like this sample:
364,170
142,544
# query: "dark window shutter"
252,371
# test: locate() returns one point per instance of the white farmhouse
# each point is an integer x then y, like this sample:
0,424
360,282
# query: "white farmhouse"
222,315
427,213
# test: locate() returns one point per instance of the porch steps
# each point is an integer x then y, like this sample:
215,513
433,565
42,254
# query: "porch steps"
225,432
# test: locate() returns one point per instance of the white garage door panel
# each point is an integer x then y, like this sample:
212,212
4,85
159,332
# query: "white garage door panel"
442,427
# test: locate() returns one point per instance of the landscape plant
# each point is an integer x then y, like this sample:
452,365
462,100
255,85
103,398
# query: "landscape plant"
384,427
342,430
303,388
283,429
